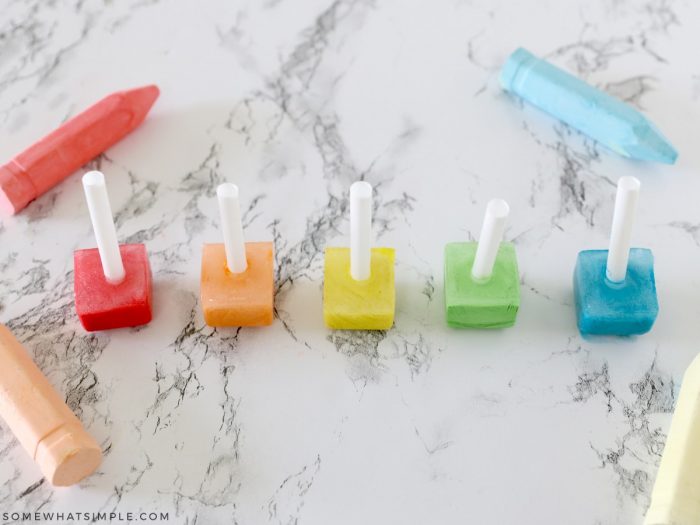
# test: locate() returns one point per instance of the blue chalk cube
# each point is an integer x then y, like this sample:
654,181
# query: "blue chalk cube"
607,308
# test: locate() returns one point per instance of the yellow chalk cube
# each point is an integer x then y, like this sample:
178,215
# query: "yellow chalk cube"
359,305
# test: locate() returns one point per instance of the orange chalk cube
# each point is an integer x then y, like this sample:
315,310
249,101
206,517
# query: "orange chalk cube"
238,299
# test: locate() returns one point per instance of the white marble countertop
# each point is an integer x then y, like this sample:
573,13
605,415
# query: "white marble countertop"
293,101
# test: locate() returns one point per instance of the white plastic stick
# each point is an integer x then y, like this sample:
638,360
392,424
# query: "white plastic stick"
497,212
103,226
232,227
360,230
623,220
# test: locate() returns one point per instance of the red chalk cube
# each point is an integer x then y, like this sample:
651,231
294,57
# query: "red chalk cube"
103,306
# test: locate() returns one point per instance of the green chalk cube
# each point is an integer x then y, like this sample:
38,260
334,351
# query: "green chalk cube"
474,304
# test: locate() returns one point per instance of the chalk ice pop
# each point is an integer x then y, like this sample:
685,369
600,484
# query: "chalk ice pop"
358,282
482,284
113,283
237,280
615,289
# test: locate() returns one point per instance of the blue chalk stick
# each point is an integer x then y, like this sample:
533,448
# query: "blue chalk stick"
602,117
607,308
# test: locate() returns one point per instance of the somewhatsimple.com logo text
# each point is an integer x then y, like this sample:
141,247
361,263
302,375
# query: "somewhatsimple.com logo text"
72,517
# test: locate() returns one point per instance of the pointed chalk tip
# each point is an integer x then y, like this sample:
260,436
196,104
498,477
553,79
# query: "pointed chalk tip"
671,155
651,146
659,151
142,98
148,91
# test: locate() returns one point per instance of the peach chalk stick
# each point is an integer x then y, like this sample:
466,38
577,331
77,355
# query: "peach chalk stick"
40,420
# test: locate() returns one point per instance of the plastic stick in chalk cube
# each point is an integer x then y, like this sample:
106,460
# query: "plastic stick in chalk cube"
358,286
621,234
112,283
40,419
103,226
497,211
602,117
232,227
360,230
237,279
615,289
675,499
482,283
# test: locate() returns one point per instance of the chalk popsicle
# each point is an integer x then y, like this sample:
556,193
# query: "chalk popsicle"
237,279
358,286
482,283
40,420
615,289
112,283
80,139
602,117
675,499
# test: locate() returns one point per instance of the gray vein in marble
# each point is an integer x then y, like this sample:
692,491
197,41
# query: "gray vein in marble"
362,349
631,90
132,481
691,229
635,455
30,36
285,506
305,100
432,449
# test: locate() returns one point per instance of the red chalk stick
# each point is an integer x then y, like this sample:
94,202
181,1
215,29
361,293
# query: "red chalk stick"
80,139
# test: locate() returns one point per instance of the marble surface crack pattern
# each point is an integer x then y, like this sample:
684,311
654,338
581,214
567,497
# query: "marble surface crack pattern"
295,423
